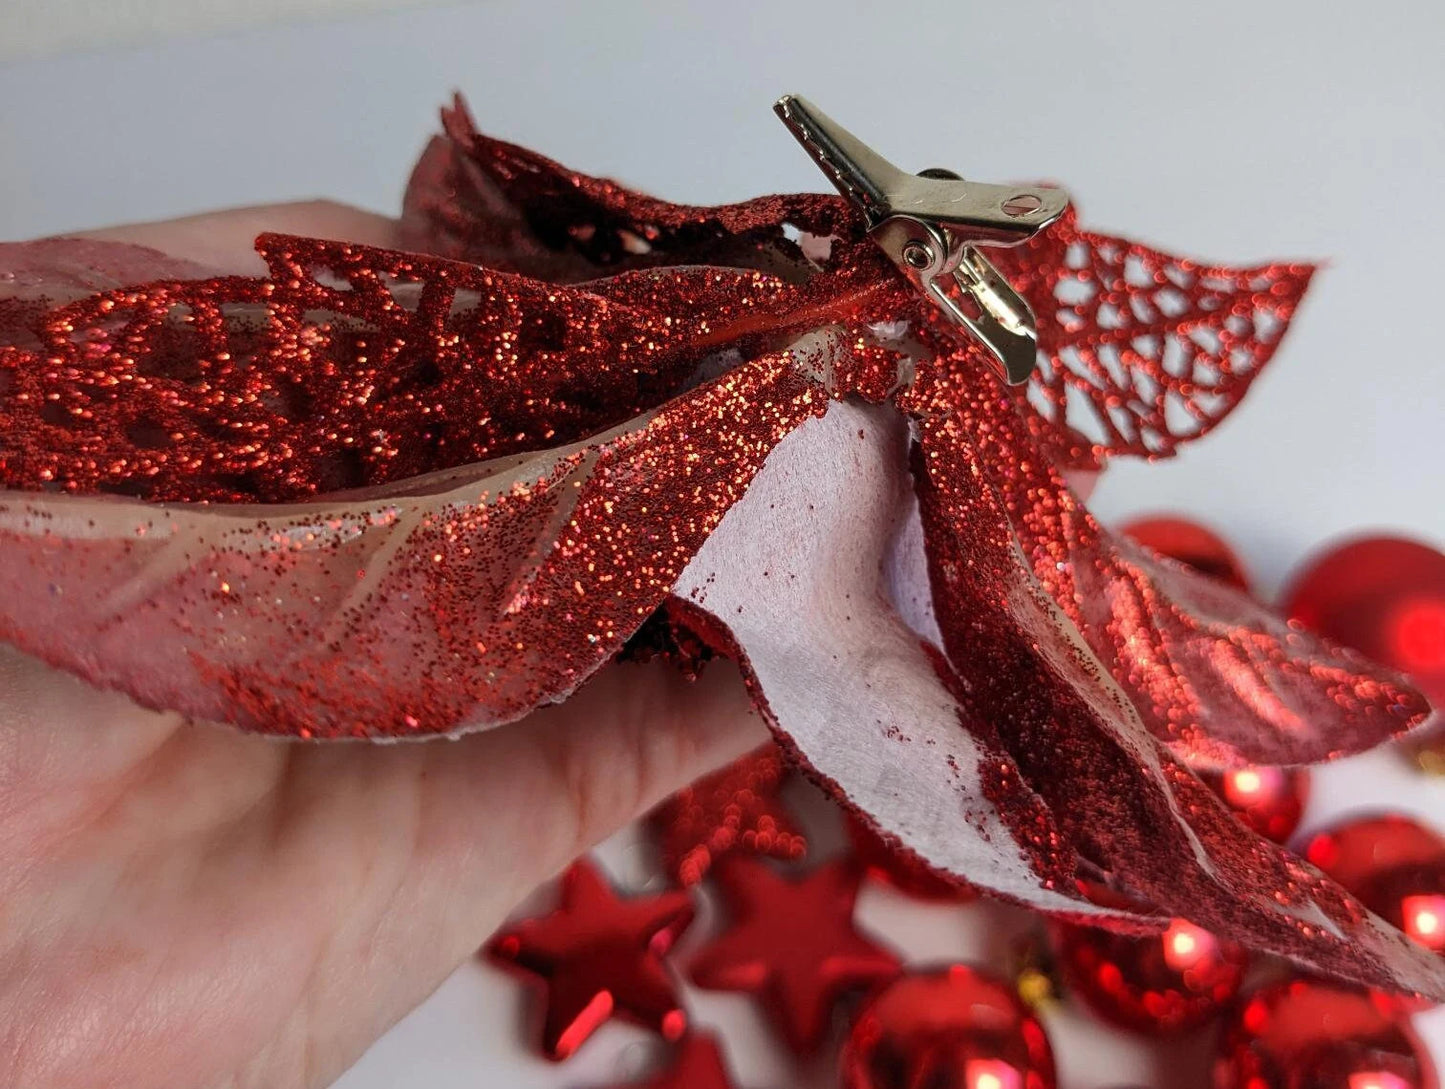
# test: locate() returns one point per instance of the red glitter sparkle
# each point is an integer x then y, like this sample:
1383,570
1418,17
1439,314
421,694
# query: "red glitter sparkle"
734,810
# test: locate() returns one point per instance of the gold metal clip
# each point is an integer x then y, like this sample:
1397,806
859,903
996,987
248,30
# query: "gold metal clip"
932,226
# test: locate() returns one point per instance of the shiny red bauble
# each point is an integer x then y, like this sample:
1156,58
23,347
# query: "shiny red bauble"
1308,1035
1192,545
907,874
1268,800
1395,865
1158,985
949,1028
1384,596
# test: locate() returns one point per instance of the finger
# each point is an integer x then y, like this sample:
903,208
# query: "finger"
225,240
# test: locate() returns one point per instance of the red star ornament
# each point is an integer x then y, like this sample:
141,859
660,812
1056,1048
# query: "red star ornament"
699,1065
600,956
792,943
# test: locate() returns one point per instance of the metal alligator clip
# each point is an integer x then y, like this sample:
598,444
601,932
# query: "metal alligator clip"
932,225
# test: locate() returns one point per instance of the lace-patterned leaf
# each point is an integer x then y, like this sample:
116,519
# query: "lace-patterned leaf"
1140,351
351,366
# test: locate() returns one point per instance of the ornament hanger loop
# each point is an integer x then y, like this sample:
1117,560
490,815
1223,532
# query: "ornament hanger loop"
932,224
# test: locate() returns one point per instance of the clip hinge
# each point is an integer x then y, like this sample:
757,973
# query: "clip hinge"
932,226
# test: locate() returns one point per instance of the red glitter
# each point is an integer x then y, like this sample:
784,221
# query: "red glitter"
734,810
1142,350
1269,800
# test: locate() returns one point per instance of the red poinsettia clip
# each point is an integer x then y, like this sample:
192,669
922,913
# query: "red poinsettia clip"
415,493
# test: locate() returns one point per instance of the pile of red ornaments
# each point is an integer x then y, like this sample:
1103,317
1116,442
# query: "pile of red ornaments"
791,942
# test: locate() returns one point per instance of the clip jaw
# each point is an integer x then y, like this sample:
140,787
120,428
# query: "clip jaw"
932,224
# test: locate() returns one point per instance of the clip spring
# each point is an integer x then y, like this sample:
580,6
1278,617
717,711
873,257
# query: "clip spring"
932,226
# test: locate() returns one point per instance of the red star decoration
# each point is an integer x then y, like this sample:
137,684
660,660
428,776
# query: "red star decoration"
793,944
600,956
736,809
699,1065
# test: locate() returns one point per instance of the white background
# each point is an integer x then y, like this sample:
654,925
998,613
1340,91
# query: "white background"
1234,131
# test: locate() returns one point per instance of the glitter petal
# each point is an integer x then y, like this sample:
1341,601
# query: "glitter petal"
455,601
1212,672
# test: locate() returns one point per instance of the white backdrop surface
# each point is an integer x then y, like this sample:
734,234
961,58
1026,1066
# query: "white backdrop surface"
1232,130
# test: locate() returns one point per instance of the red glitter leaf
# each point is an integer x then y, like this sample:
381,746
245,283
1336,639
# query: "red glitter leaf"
866,706
348,366
452,601
1140,351
1221,679
1118,796
477,198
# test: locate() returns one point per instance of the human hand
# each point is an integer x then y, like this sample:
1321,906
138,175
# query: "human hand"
184,905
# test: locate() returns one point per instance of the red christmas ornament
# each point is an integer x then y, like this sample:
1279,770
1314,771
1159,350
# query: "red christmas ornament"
1384,596
792,943
1269,800
1191,544
1158,985
1308,1035
600,956
699,1065
951,1028
735,809
1395,866
903,872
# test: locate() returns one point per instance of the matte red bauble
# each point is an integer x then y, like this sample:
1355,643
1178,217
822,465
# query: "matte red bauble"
1157,985
1307,1035
1269,800
949,1028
